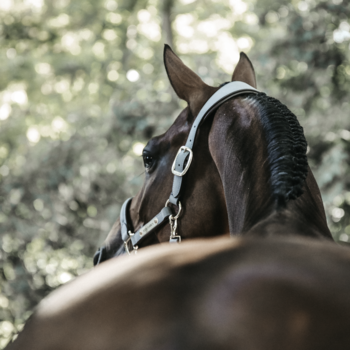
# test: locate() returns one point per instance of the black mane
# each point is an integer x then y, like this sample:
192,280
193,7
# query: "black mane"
286,147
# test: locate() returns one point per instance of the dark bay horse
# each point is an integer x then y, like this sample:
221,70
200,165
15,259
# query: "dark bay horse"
217,294
249,173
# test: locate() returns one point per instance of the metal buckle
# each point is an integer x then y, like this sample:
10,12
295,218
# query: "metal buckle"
126,245
182,173
129,246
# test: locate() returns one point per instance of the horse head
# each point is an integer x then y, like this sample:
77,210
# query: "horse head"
203,203
249,173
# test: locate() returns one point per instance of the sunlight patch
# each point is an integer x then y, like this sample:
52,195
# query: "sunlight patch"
137,148
342,33
11,53
251,18
111,5
70,42
35,4
228,53
113,75
245,43
114,18
19,97
6,5
214,25
183,24
43,68
85,34
110,34
132,75
143,16
15,93
65,277
5,111
59,125
345,134
238,7
98,49
33,135
60,21
150,30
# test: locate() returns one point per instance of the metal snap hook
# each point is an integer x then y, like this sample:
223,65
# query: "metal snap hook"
173,225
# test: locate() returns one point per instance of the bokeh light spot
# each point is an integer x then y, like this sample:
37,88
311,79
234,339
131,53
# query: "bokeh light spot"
113,75
137,148
132,75
143,16
65,277
109,34
38,204
111,5
19,97
114,18
5,111
33,135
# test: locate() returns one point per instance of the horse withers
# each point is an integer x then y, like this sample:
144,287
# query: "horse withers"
249,174
241,293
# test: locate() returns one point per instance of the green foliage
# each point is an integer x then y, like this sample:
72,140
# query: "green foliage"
82,88
310,72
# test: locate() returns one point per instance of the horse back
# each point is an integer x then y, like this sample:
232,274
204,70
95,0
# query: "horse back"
216,294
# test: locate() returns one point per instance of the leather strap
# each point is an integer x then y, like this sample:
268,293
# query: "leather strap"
225,93
145,230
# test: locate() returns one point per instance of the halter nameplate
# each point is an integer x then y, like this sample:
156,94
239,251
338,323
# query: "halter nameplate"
141,234
181,164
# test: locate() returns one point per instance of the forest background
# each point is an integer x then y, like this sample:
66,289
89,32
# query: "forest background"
82,89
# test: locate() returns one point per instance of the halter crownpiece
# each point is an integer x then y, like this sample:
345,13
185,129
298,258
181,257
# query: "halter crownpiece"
179,168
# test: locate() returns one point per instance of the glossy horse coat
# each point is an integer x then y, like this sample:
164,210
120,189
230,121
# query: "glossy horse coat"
249,173
239,294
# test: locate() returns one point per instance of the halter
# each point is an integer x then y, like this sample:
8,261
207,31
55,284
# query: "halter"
179,168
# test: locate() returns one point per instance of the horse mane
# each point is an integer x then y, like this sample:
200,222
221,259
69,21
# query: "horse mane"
286,148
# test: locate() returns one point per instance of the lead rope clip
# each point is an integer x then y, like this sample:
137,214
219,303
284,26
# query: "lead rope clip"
174,238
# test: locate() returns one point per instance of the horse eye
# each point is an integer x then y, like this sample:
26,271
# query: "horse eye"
147,161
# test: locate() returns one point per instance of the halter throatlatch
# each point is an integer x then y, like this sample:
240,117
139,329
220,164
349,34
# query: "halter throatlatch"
179,168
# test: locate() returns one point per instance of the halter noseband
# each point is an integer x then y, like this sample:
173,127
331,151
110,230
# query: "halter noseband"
179,168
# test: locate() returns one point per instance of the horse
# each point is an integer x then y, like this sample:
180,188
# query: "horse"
219,293
249,173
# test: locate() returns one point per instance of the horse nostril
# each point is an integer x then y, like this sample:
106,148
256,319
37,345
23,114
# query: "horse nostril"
100,255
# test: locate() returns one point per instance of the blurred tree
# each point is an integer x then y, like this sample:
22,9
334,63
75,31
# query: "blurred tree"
309,70
82,88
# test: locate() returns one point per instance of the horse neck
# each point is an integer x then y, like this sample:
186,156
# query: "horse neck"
304,216
239,149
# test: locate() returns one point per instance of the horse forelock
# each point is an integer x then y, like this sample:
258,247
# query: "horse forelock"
286,147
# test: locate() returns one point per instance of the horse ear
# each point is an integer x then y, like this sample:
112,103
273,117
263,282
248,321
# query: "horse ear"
187,84
244,71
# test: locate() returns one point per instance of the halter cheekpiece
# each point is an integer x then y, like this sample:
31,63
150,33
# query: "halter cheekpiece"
180,166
